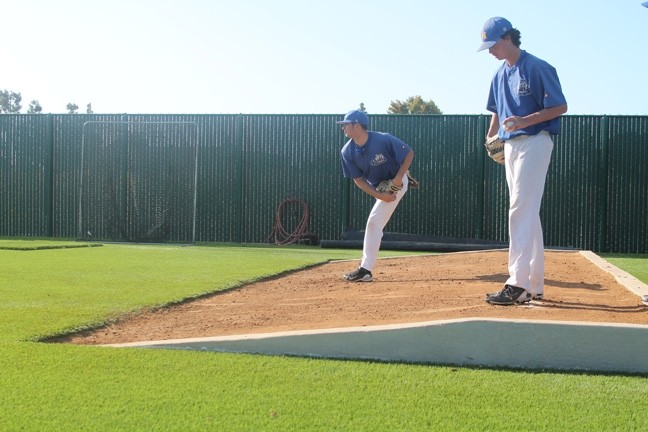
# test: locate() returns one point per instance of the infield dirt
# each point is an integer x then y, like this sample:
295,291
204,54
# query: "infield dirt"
405,290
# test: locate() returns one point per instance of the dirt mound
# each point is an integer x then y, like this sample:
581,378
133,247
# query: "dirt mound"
404,290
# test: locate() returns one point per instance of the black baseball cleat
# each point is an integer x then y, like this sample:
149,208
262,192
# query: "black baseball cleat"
510,295
534,296
359,275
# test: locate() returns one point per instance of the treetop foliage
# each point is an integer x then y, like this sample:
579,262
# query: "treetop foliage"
413,105
10,103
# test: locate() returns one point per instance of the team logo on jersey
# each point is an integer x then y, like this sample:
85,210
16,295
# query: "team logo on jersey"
523,88
379,159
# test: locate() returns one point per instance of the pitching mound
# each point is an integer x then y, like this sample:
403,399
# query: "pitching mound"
404,290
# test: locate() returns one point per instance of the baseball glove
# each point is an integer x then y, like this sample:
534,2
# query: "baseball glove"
388,186
495,148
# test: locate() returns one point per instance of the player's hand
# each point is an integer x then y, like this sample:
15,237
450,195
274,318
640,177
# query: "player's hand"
513,123
386,196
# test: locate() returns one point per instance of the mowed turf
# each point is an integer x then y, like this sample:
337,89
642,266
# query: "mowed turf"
45,386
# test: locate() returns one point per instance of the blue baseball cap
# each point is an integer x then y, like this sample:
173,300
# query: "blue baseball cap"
355,116
493,30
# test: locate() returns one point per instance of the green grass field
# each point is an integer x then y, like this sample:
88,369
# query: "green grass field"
57,387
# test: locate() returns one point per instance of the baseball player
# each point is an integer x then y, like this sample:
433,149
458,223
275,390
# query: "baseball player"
526,100
370,158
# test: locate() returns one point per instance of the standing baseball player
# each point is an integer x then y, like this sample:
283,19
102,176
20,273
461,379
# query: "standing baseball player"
378,164
527,101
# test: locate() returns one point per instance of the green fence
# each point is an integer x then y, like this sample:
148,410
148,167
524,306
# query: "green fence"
596,196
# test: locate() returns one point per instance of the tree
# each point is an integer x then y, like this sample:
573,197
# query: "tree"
72,108
34,107
413,105
10,102
89,108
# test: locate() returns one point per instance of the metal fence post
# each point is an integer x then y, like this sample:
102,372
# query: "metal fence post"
603,182
481,190
48,168
239,141
346,204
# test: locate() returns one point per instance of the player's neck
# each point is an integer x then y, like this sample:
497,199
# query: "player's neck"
362,138
513,57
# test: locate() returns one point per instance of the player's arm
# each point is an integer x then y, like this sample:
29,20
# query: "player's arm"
493,129
405,166
367,188
515,123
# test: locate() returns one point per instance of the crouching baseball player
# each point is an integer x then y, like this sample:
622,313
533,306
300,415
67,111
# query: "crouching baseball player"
378,163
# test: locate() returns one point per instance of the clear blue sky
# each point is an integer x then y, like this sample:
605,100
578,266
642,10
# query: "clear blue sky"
320,56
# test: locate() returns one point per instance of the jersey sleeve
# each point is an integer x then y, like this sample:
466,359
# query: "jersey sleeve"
551,91
349,167
400,149
491,104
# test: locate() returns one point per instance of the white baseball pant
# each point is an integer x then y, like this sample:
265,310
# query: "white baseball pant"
378,218
526,161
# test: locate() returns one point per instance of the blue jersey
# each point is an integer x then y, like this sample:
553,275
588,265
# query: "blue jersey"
528,86
379,159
